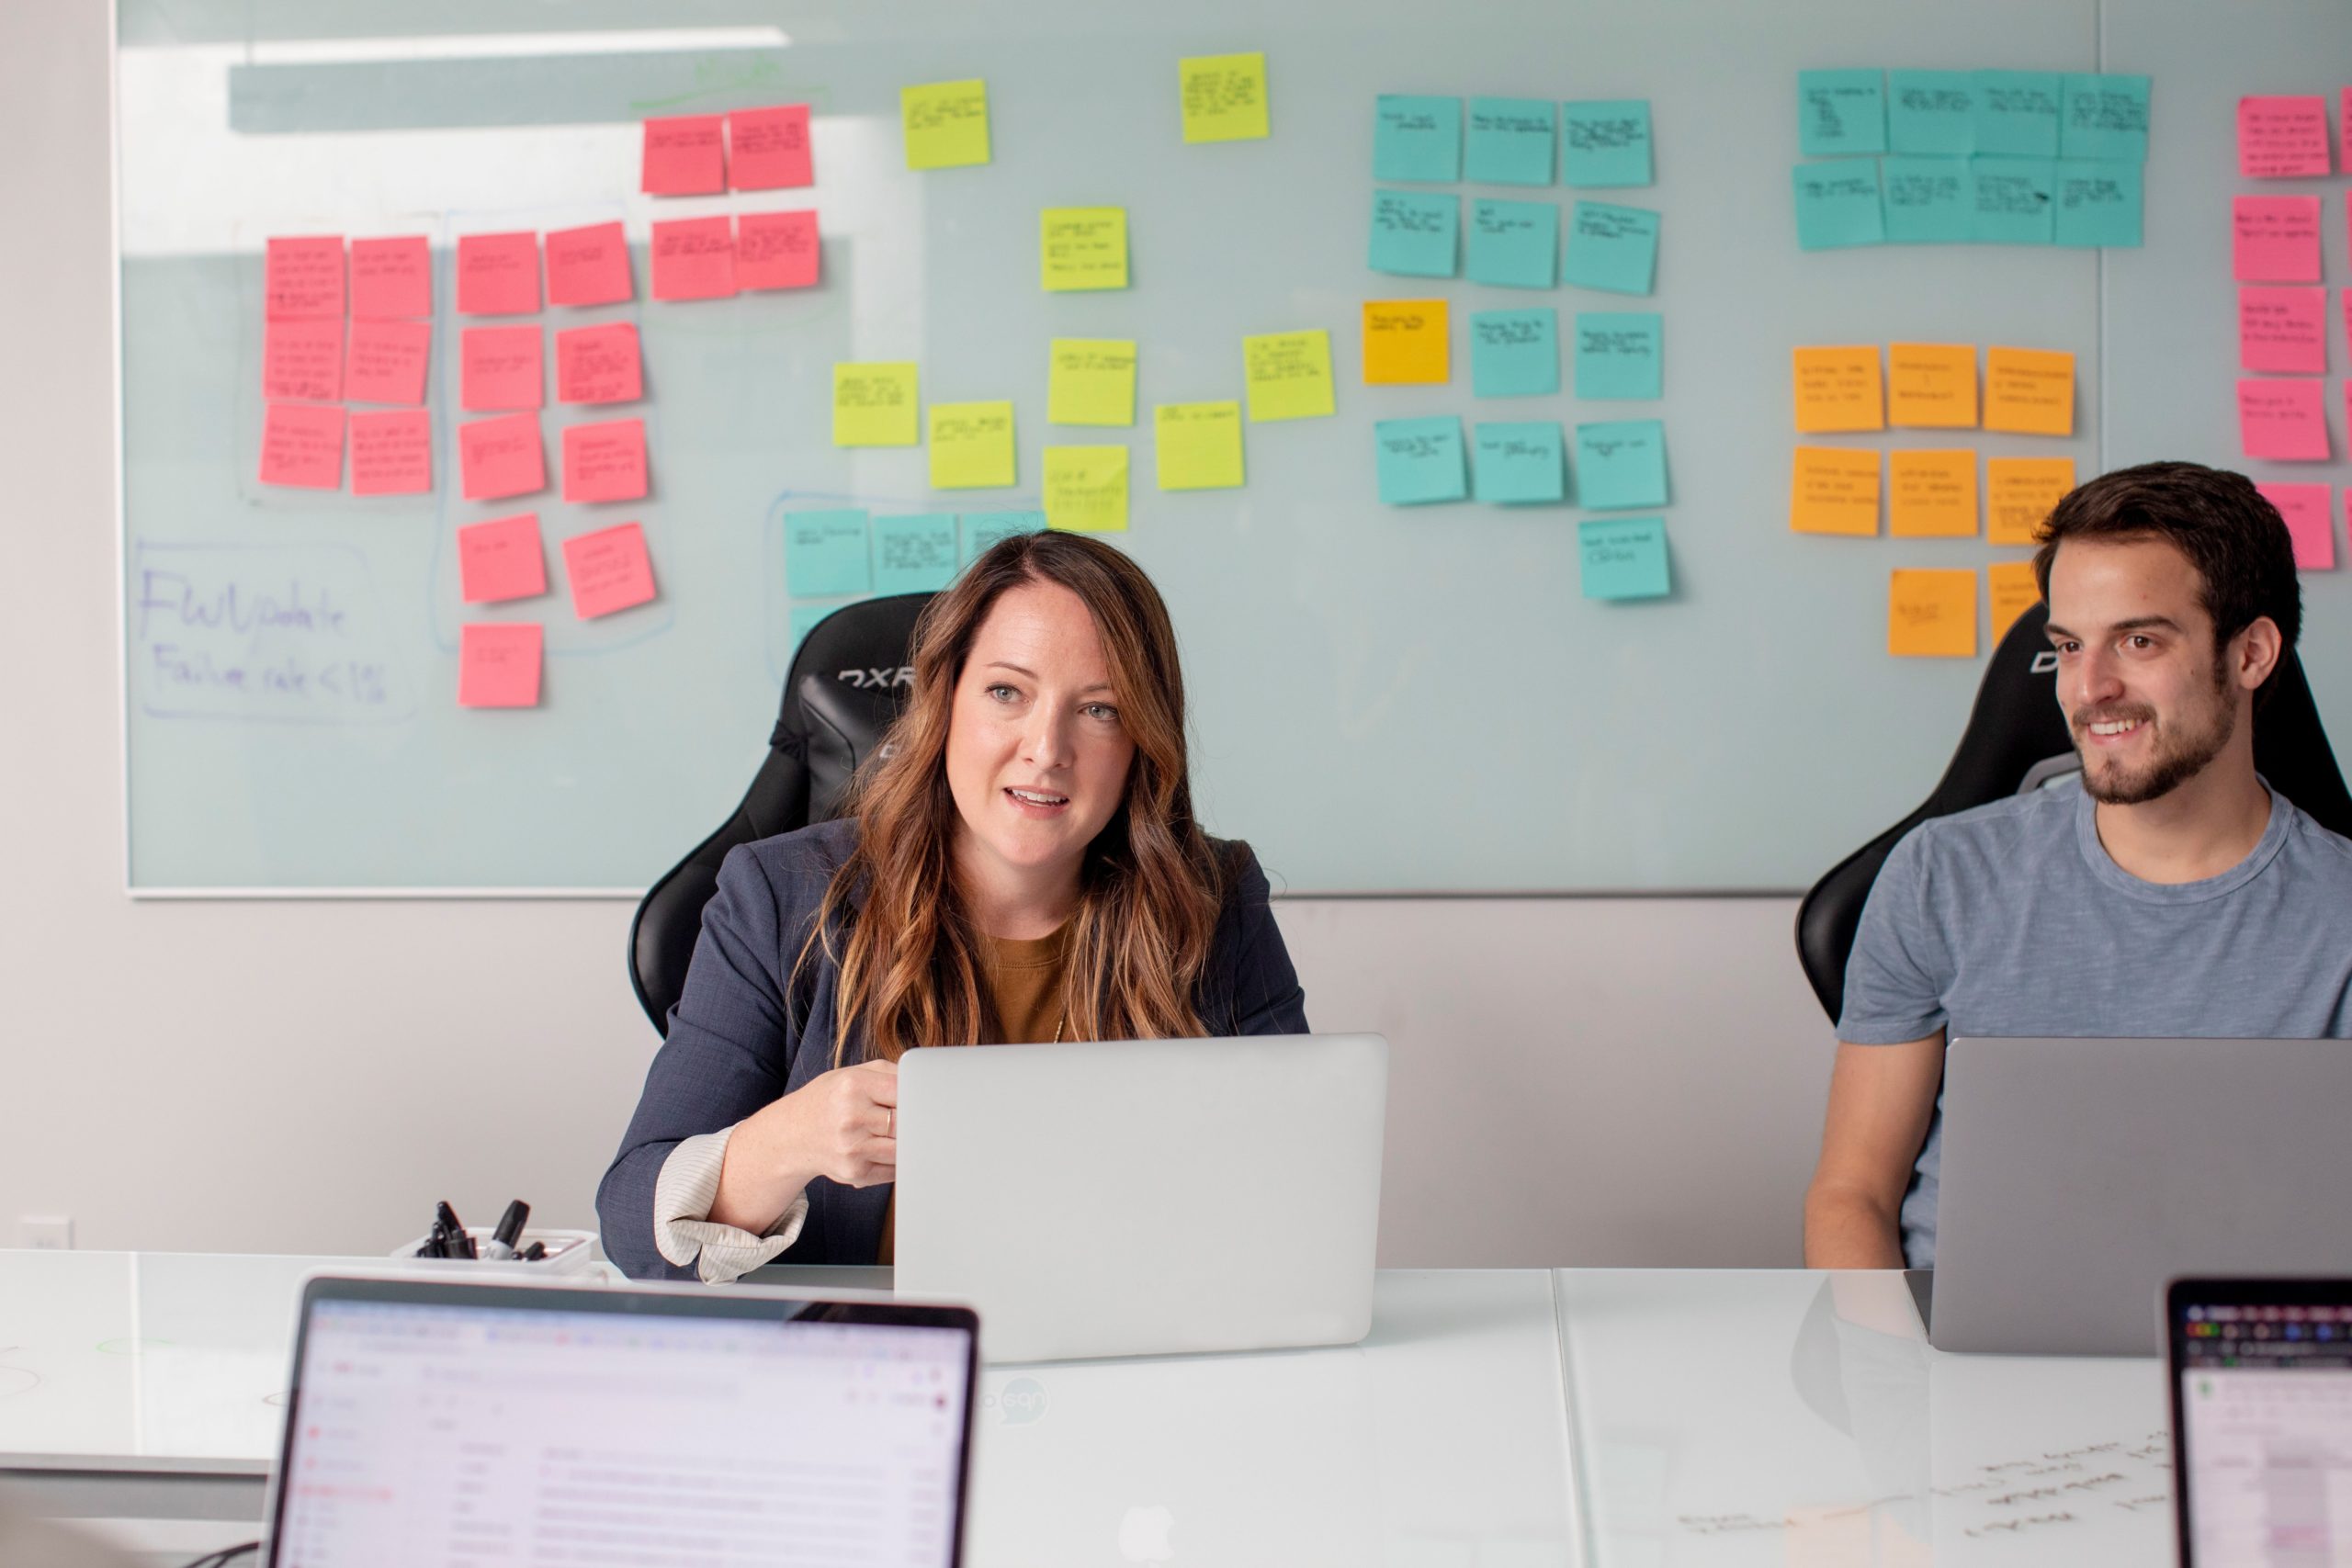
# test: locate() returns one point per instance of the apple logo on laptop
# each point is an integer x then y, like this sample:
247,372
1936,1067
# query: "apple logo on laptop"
1142,1535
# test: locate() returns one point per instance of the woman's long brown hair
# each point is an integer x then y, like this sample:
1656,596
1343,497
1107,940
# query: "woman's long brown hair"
893,918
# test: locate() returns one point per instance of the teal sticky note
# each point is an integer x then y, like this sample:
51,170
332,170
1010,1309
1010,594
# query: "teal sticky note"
1623,557
1413,233
1509,142
2105,116
1840,113
914,555
982,529
803,620
1837,205
2098,204
1417,139
1421,460
1521,465
1514,243
1514,354
2017,112
2014,200
1931,113
1621,464
1619,354
1927,201
1605,142
1614,249
824,552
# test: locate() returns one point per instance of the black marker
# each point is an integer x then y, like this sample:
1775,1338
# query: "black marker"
459,1245
500,1245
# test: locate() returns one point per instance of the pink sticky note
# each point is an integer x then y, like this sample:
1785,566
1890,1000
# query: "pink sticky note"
303,278
589,266
2306,510
501,559
387,362
776,250
684,155
768,149
2343,131
694,258
2347,306
598,365
501,367
391,279
302,360
608,571
501,458
301,445
498,274
2281,419
2283,329
391,453
498,664
2275,238
2282,138
605,461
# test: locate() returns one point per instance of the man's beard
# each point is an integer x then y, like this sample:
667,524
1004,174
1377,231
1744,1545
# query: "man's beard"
2173,759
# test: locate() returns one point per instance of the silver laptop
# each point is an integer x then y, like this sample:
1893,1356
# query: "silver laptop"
2080,1175
1141,1198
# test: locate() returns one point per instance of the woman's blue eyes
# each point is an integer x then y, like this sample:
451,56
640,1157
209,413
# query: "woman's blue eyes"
1102,711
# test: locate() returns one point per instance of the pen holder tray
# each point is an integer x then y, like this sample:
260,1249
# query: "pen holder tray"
569,1253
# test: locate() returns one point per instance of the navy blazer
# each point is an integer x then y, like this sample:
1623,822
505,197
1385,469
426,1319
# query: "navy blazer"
739,1040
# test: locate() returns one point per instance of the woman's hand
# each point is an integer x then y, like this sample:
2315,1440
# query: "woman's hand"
841,1125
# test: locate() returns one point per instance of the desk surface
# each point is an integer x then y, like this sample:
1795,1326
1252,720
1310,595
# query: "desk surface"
1507,1419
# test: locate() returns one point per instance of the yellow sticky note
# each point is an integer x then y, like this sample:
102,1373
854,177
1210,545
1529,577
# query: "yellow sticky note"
1404,343
971,445
1084,247
947,124
1086,489
1931,385
2031,390
874,405
1931,615
1198,444
1834,490
1092,381
1931,494
2018,494
1838,389
1225,97
2013,591
1289,374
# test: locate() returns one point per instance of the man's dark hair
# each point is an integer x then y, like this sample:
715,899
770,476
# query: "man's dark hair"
2243,555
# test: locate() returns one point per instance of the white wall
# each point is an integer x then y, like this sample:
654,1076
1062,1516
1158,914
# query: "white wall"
1596,1081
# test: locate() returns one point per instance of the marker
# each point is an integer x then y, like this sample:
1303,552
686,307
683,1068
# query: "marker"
500,1245
459,1245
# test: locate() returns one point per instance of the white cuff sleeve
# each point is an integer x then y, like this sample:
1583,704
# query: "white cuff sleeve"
682,1229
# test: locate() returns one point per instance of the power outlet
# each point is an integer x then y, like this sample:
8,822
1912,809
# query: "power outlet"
45,1233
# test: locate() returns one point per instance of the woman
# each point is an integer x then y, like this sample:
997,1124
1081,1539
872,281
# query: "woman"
1018,863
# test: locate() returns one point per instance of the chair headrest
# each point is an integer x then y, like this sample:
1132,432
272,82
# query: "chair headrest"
847,683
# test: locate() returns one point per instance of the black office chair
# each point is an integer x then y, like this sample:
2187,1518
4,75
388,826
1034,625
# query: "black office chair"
847,684
2017,736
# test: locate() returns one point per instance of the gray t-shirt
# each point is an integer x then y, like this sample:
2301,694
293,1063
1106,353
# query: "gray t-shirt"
2013,920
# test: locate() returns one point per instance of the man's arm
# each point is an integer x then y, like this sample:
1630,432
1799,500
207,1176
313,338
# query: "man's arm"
1881,1097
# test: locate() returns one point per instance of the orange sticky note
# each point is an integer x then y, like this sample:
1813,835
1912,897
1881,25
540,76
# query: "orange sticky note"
301,445
302,360
303,277
608,569
684,155
1404,343
2029,390
694,258
2011,590
391,279
776,250
386,362
1931,385
768,149
1931,494
499,458
498,664
1838,389
501,559
2018,494
1931,615
498,274
589,266
1834,490
501,369
391,453
598,365
605,461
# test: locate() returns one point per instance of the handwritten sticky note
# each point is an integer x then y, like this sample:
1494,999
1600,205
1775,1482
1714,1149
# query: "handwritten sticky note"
825,554
1931,615
605,461
1619,354
1840,113
875,404
1417,139
1929,201
2310,522
1090,381
1605,142
1224,96
694,258
2098,203
684,155
1621,464
1083,247
2029,391
1514,354
2283,330
2282,420
302,360
499,369
1414,233
1509,142
1519,464
2105,116
1931,494
1833,490
301,445
776,250
1404,343
391,453
385,363
1931,385
2282,138
1623,557
1838,389
2275,238
589,265
608,571
768,149
1086,489
2011,590
1614,249
984,530
498,274
1514,244
1837,205
947,124
2018,111
499,458
2015,200
598,365
914,555
303,278
501,559
1198,445
1420,461
498,664
971,445
1287,375
2018,494
1931,113
391,278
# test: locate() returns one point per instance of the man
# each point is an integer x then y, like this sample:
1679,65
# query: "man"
2173,894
